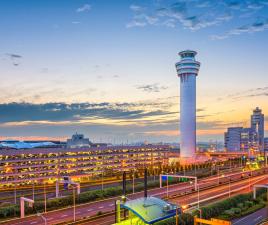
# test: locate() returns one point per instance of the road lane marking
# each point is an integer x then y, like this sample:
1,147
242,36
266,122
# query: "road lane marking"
111,205
63,215
101,207
258,218
51,218
89,210
77,212
33,222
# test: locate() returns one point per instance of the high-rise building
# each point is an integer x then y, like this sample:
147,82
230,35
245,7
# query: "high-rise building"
245,139
257,124
248,140
266,144
232,139
187,69
240,139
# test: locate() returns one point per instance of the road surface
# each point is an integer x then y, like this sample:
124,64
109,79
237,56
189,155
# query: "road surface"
252,219
91,209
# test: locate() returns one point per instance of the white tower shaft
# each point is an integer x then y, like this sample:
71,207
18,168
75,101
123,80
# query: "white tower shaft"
187,70
188,115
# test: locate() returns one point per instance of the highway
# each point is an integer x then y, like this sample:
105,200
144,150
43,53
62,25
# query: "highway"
176,191
252,219
191,199
7,195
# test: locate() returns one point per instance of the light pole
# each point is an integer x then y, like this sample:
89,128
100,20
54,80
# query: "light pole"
198,197
45,197
177,216
15,193
133,182
102,175
33,190
249,179
74,200
229,187
167,186
218,175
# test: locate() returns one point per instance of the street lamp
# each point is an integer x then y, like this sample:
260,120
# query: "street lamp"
229,186
102,174
133,181
33,190
74,200
249,179
218,175
45,196
198,196
44,218
15,193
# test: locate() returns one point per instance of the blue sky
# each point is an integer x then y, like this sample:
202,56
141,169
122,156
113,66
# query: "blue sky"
106,68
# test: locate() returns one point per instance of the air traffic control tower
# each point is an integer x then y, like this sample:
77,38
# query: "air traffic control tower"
187,69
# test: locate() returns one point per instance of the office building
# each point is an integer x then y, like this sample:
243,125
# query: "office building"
247,139
232,138
257,124
266,144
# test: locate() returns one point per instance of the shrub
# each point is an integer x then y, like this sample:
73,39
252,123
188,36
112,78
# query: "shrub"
229,212
240,205
248,204
236,210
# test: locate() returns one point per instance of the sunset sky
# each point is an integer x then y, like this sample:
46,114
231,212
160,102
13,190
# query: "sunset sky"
105,68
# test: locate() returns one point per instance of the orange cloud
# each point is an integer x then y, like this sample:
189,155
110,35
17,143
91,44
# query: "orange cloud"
177,132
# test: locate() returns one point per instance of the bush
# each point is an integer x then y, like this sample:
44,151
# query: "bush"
236,210
248,204
229,212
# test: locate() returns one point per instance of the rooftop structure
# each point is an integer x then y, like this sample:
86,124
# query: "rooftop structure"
148,210
78,141
25,145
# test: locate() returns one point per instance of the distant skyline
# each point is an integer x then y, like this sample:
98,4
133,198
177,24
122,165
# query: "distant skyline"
107,68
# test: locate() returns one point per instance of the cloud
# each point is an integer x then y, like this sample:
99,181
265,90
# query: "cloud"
15,58
254,92
257,26
75,112
76,22
149,88
198,14
136,8
84,8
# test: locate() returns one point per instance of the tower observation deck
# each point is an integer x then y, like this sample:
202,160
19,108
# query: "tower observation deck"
187,69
